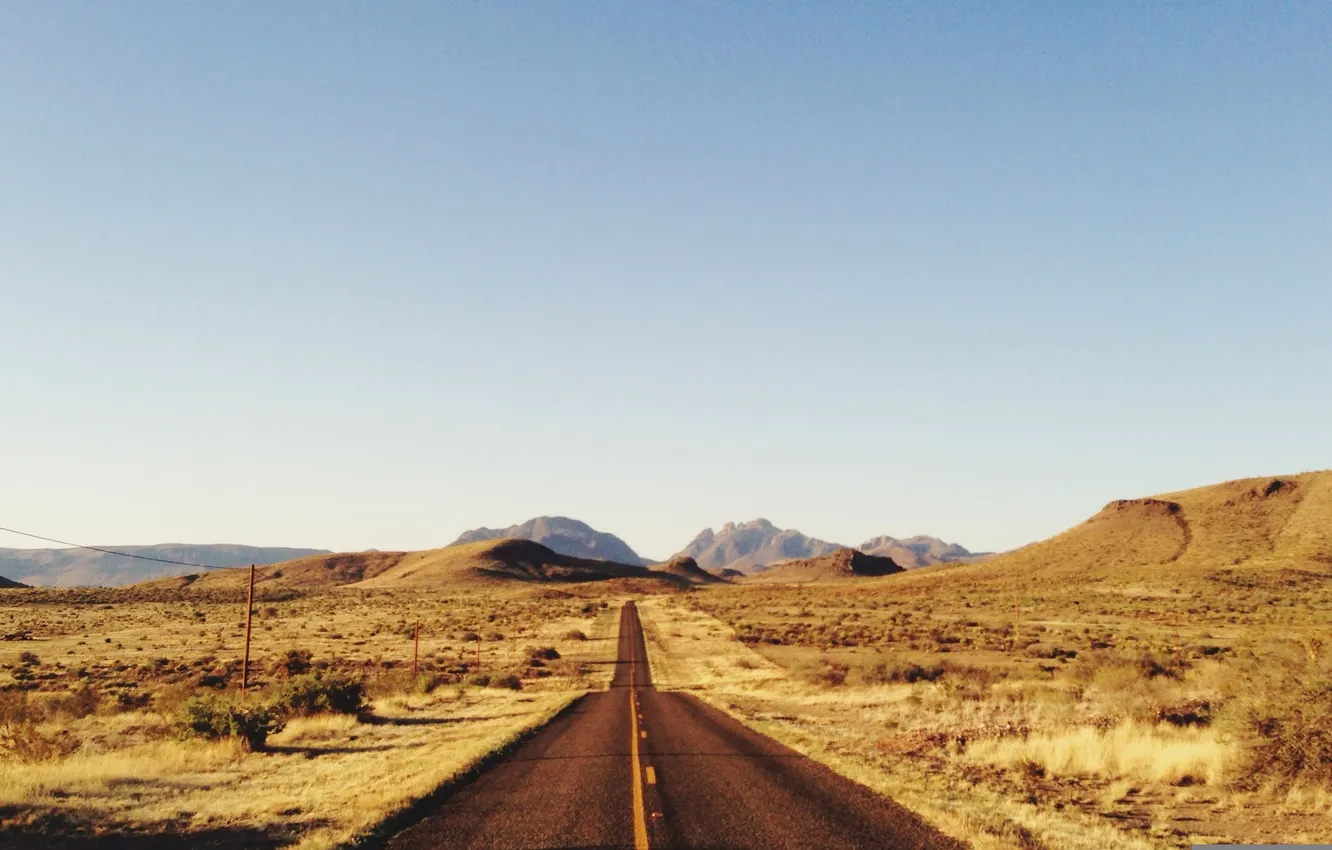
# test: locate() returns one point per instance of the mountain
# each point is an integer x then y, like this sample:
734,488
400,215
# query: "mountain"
84,568
565,536
6,583
751,545
843,564
479,562
1230,529
919,551
688,569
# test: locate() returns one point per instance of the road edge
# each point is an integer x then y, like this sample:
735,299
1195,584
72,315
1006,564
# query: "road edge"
417,810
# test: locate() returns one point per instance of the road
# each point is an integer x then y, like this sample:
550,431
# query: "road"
633,767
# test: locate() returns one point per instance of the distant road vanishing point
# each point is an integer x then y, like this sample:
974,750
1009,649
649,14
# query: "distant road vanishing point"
633,767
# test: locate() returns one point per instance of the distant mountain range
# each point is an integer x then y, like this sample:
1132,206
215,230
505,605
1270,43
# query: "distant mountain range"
919,551
747,548
751,545
754,546
563,535
82,567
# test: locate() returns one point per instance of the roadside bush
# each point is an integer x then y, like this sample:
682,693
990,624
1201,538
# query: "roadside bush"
23,742
511,682
832,674
210,717
479,680
302,696
75,704
1289,740
575,634
294,663
426,683
545,653
909,672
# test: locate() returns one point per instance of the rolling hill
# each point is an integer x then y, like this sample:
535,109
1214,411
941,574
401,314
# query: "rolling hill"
1244,525
86,568
481,562
845,563
689,570
563,535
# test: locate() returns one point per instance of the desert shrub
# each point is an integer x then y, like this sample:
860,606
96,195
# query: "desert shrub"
23,742
510,681
210,717
909,672
426,683
1152,666
294,663
545,653
575,634
1288,740
1192,712
75,704
16,708
317,693
480,680
29,658
832,674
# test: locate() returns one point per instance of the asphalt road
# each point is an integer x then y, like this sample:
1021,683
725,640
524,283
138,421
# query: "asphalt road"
633,767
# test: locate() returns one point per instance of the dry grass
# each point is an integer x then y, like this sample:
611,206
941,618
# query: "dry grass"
321,781
1070,715
1159,754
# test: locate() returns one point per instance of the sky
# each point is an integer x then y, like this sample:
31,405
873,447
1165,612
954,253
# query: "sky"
367,275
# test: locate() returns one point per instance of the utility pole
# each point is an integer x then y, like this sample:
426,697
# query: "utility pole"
416,644
249,615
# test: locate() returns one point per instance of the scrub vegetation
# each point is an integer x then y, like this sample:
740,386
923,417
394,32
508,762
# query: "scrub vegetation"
1158,676
122,716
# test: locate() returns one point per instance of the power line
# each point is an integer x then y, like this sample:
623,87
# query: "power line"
270,577
112,551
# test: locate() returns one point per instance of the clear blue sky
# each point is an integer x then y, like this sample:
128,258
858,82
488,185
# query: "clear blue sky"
367,275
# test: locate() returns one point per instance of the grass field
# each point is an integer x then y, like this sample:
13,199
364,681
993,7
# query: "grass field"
1021,717
91,738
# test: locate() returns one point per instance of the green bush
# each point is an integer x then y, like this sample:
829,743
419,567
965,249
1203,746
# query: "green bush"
302,696
209,717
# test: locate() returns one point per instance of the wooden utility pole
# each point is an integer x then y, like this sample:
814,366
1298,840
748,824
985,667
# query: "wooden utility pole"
416,645
249,615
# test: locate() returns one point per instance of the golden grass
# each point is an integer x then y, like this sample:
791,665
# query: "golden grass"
1159,754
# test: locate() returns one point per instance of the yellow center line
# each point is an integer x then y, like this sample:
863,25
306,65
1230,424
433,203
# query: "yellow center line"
640,822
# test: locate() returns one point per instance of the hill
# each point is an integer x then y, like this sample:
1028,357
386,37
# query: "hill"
6,583
86,568
482,562
689,570
1223,529
845,563
750,545
563,535
919,551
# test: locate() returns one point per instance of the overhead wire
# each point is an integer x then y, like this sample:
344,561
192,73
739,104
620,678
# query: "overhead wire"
156,560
